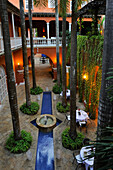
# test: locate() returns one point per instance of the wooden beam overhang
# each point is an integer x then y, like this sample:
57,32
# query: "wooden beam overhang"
90,8
39,14
11,8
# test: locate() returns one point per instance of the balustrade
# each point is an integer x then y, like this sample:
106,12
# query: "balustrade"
15,43
38,42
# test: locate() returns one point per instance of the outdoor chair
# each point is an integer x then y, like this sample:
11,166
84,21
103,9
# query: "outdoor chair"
83,124
78,160
90,115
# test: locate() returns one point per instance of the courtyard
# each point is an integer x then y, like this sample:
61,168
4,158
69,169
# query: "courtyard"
63,158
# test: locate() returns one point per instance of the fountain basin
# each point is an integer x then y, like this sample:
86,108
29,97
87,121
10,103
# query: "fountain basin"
46,122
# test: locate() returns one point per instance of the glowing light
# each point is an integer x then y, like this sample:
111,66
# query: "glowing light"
44,36
101,32
54,60
18,64
30,65
43,29
85,77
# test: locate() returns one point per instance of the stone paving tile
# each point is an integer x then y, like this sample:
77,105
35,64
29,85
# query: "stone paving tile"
63,157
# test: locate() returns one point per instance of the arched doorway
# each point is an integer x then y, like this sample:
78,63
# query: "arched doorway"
3,85
39,58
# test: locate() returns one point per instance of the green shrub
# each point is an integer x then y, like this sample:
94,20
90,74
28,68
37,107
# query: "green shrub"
54,81
37,90
57,89
62,109
19,146
30,110
69,143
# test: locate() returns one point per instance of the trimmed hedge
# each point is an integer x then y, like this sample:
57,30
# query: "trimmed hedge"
62,109
37,90
30,110
56,89
69,143
19,146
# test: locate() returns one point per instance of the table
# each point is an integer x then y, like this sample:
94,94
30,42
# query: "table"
67,93
85,151
82,117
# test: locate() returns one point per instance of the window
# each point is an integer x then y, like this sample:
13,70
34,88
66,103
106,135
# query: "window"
51,3
70,5
26,4
3,86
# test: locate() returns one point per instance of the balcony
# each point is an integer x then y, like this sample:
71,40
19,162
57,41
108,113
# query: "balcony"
15,44
43,42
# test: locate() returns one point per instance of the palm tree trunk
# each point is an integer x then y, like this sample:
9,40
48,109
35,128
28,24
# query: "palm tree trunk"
9,70
73,72
25,59
57,42
31,42
105,111
64,102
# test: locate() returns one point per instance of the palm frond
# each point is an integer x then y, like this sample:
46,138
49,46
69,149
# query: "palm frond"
40,2
104,149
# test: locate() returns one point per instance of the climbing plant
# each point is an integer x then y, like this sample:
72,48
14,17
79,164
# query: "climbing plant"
89,72
90,56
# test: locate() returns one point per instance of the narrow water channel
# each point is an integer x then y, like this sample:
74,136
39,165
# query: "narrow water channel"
45,152
45,145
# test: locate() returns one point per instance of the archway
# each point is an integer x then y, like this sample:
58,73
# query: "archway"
39,57
42,59
3,85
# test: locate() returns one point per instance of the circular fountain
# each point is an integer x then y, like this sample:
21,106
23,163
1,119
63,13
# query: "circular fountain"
46,122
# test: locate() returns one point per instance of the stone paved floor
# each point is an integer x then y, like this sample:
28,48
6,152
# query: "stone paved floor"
63,157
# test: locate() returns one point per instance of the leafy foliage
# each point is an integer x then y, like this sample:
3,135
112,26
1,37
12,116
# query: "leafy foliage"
40,3
30,110
37,90
89,61
19,146
57,89
63,8
104,149
62,109
54,81
78,22
69,143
